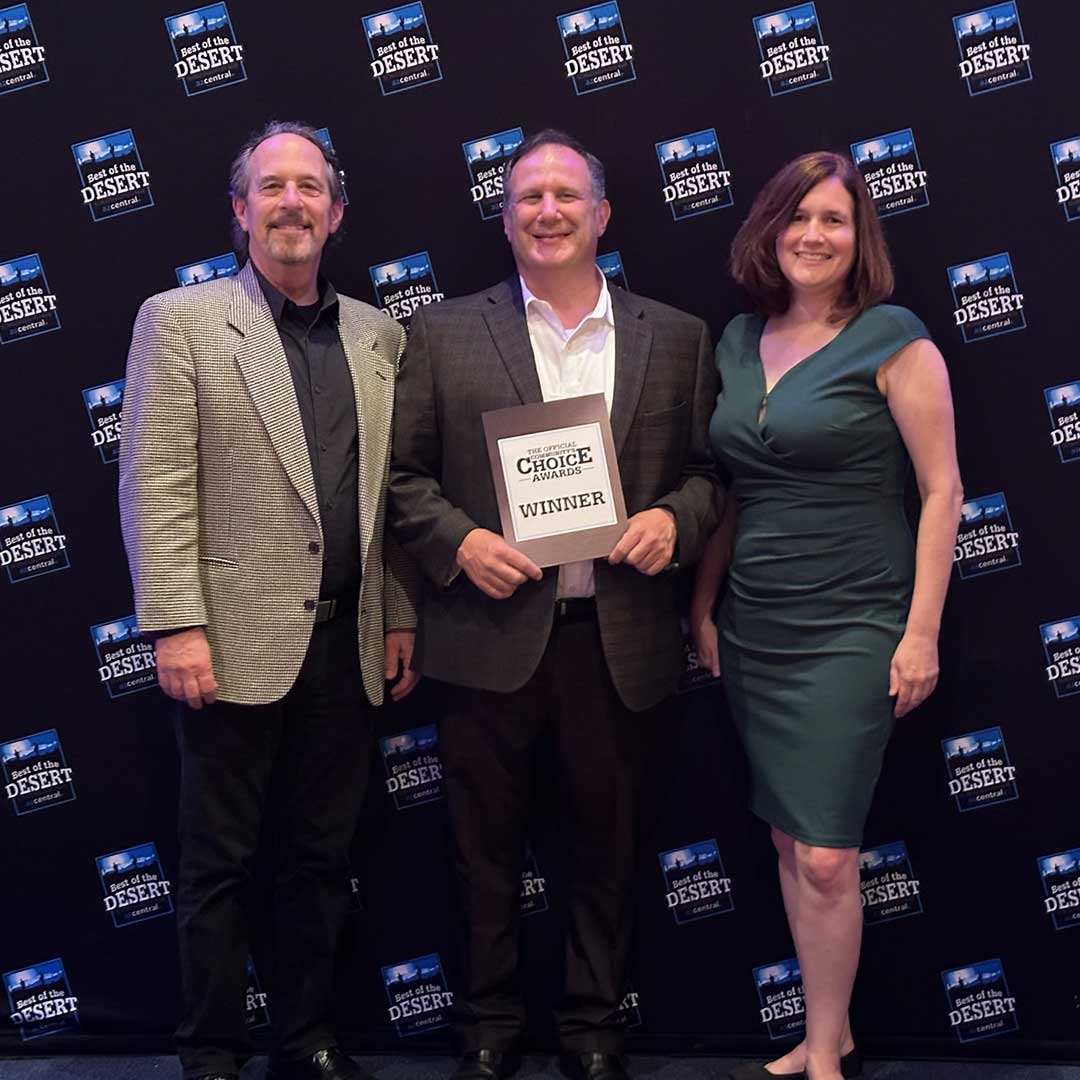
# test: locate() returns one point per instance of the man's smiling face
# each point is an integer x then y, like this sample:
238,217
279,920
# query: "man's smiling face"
551,215
287,212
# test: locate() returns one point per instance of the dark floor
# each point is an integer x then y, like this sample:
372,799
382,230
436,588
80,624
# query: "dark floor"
401,1067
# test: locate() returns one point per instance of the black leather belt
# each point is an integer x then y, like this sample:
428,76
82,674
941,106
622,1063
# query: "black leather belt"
575,608
325,610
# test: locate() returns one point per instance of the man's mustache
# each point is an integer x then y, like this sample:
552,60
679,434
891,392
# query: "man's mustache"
288,219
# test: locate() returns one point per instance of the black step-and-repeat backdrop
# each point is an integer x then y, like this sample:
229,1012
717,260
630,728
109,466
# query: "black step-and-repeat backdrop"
121,119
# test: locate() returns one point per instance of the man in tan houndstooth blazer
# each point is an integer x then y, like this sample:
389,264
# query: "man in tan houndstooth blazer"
253,469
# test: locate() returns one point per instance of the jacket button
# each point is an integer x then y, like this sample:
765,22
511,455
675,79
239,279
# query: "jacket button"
313,547
309,605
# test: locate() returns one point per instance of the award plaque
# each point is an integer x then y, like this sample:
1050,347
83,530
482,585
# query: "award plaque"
556,479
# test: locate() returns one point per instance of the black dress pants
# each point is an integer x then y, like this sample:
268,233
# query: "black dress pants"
604,753
316,742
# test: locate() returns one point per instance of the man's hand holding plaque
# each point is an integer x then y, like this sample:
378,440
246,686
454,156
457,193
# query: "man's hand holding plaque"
648,545
493,566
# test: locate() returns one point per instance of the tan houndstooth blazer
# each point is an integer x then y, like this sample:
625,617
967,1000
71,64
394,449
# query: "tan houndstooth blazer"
217,499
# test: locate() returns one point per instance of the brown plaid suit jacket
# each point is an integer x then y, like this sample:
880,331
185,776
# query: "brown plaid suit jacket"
217,498
469,355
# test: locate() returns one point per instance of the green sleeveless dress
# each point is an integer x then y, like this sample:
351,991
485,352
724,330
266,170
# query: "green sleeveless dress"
821,575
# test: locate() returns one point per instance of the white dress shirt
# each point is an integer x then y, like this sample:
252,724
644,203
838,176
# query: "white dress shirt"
571,363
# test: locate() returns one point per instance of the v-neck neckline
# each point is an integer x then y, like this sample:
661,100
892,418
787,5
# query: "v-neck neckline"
766,390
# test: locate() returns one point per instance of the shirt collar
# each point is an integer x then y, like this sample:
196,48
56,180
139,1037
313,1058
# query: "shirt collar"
543,308
280,303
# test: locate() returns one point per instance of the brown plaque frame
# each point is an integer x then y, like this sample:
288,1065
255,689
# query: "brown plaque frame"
533,419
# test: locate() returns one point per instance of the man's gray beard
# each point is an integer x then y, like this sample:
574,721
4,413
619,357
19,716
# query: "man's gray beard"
288,254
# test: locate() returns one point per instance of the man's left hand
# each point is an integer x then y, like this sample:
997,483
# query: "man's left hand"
648,543
399,647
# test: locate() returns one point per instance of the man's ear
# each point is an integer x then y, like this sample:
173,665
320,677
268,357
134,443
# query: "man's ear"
603,216
337,212
239,209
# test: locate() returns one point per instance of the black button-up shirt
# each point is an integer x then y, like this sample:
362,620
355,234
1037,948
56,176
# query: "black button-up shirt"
324,392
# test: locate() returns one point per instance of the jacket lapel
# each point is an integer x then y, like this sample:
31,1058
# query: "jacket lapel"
265,371
633,337
373,381
504,313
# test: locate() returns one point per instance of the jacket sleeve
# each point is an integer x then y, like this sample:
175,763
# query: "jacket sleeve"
159,512
699,499
426,524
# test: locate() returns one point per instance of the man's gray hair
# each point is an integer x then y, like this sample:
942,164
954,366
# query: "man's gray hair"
555,137
240,170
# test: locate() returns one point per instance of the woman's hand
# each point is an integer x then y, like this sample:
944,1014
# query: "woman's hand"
913,673
703,633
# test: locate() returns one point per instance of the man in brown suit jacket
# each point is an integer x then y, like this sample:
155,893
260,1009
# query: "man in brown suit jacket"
585,655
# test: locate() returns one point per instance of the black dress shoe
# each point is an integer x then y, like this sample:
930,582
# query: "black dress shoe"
594,1066
329,1064
482,1065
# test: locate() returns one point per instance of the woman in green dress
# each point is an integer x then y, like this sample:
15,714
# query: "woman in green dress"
828,628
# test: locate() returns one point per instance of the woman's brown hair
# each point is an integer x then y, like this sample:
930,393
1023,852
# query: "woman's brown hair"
753,251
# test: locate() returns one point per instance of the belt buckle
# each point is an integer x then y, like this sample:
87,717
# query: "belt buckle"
573,607
325,610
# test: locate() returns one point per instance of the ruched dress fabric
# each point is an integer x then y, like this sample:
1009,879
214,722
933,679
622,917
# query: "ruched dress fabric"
822,570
